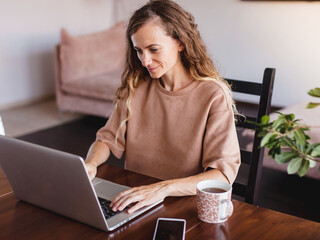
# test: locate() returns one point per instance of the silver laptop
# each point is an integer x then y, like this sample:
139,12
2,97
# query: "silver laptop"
58,181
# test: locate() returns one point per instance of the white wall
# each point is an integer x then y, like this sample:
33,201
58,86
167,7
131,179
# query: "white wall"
29,32
242,37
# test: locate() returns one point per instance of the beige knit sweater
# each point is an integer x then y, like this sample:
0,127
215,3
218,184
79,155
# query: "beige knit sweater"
175,134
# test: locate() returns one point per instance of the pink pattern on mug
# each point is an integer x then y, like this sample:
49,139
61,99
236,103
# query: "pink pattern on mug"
214,207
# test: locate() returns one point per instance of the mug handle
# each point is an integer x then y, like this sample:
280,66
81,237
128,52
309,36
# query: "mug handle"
229,209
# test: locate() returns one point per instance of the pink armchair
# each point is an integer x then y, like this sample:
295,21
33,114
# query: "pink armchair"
88,70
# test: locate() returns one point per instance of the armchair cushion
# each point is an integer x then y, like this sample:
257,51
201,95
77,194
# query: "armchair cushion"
98,87
79,55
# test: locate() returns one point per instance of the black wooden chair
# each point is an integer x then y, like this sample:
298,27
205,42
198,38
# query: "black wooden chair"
246,185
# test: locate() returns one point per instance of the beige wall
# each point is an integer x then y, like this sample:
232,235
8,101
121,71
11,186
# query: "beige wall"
242,37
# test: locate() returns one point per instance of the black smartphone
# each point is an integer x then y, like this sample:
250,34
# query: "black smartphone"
170,229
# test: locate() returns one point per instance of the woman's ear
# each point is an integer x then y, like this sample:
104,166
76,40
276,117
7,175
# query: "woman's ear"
181,47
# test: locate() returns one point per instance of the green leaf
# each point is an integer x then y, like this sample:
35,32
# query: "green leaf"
265,140
311,147
314,92
277,123
285,157
273,151
302,147
273,142
262,133
299,136
304,168
286,142
305,128
312,163
279,113
312,105
265,119
294,165
290,116
316,152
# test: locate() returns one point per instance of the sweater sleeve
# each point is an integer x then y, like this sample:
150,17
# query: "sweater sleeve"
107,134
221,147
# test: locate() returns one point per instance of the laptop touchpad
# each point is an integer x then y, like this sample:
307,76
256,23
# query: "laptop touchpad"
108,189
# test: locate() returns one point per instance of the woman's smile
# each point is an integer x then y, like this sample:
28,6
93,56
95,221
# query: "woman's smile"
152,69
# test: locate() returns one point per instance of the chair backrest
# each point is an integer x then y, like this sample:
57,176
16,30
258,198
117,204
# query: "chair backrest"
251,161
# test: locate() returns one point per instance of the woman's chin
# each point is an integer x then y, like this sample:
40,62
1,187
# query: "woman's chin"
155,75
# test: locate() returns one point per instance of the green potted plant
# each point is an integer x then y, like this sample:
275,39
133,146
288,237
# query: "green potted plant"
288,142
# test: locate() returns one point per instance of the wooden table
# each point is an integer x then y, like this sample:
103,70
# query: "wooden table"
19,220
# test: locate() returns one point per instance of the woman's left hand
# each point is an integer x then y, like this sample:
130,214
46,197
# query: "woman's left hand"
142,196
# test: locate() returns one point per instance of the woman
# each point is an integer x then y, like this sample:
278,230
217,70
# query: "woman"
174,115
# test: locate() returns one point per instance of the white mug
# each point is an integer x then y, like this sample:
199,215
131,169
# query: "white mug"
214,201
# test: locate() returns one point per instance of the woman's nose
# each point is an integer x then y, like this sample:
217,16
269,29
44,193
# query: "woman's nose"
146,60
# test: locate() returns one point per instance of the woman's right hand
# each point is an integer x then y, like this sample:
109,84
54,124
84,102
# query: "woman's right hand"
97,154
91,169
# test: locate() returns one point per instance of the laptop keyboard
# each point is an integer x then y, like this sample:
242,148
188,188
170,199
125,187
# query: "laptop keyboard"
107,210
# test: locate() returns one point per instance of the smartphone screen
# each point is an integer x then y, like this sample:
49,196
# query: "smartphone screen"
170,229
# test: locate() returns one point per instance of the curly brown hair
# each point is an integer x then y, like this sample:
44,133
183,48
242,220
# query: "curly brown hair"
178,24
